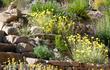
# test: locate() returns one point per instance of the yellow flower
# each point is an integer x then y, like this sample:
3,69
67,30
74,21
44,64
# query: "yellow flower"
48,12
92,37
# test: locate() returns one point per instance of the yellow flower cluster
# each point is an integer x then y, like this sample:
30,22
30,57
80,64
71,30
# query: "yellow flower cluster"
89,50
64,25
52,23
13,65
43,19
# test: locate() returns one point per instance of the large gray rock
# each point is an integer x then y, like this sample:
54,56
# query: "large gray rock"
4,47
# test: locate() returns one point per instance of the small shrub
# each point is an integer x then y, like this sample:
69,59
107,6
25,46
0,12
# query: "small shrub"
42,52
88,50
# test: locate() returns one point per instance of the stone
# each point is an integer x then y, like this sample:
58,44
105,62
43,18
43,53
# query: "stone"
4,47
34,42
1,25
24,47
56,53
31,60
11,14
21,40
6,17
29,54
23,20
2,33
4,56
10,30
95,14
37,40
36,29
2,36
11,38
14,39
16,24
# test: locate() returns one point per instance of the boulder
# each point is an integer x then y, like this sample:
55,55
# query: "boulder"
10,30
7,47
24,47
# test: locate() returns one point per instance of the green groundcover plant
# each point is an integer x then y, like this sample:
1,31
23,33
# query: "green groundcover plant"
42,52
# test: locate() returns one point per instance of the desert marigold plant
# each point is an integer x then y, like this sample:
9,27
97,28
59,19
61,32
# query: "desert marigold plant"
43,19
52,23
88,50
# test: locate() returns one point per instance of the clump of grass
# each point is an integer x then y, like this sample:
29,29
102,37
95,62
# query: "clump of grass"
51,6
103,27
77,8
24,31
